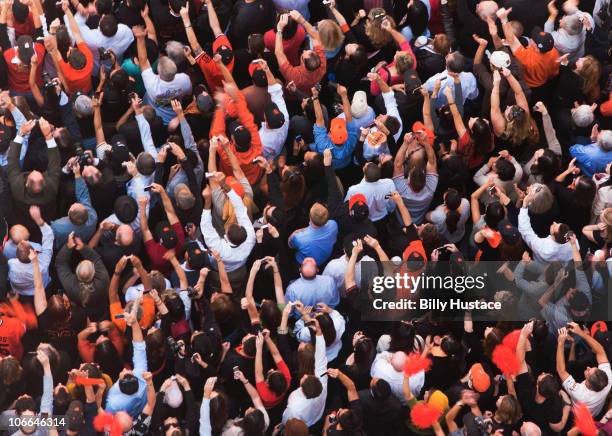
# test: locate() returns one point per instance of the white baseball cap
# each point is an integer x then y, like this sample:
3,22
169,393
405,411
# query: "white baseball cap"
499,59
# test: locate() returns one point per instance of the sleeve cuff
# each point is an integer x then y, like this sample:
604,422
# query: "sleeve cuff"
18,139
51,143
139,345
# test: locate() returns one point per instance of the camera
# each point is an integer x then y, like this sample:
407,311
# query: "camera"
192,292
48,82
84,158
173,345
105,54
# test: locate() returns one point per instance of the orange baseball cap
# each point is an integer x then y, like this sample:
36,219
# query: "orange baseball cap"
480,379
337,131
419,126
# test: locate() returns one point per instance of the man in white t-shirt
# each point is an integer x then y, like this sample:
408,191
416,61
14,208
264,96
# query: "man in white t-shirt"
163,87
594,389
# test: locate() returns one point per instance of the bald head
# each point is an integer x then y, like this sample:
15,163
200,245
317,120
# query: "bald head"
530,429
35,182
85,271
124,235
19,233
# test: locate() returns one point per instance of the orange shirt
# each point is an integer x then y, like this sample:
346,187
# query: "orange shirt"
146,320
11,332
79,80
538,67
19,74
212,74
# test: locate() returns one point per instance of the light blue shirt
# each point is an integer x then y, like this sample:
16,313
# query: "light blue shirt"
62,227
320,289
21,275
132,404
315,242
469,86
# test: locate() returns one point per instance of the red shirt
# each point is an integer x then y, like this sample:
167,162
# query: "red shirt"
465,147
18,74
214,77
291,47
269,398
156,251
79,80
384,72
11,332
304,80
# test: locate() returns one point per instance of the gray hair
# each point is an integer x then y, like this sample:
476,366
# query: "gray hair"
572,24
583,115
166,68
175,51
604,140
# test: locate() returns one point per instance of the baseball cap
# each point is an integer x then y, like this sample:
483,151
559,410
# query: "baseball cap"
508,232
337,131
598,326
258,75
227,55
499,59
235,185
358,207
166,235
543,40
25,48
359,105
75,416
274,117
309,268
419,126
579,302
411,82
242,136
119,150
196,257
126,209
480,379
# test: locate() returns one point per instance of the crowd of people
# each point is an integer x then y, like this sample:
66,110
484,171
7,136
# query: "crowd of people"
194,195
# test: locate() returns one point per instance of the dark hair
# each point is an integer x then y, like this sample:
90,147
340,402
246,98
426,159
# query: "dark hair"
253,423
145,163
504,169
20,12
176,5
293,187
365,351
25,403
392,124
108,26
548,386
312,62
104,7
584,192
371,172
359,57
417,178
450,346
481,136
312,387
381,389
176,307
290,29
218,412
270,315
256,44
276,217
402,337
249,346
157,349
349,420
559,237
277,382
452,201
494,214
598,380
547,166
456,63
106,355
492,340
236,234
327,327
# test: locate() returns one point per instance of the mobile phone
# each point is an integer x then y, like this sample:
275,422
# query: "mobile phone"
147,188
491,190
209,175
120,316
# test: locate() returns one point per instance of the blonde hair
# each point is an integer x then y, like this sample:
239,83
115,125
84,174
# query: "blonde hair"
590,73
229,214
330,34
403,62
378,36
520,129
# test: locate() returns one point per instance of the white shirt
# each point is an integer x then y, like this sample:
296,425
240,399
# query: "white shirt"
382,368
119,42
391,106
469,86
310,410
233,257
544,249
337,267
580,393
302,334
374,193
273,140
160,93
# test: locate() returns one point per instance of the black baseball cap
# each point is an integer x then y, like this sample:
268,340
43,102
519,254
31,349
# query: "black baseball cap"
274,117
242,136
126,209
226,53
543,40
196,257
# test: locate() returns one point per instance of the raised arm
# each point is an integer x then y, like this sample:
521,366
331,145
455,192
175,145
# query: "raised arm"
519,95
511,39
191,36
497,118
561,370
346,104
40,298
140,34
349,274
310,29
213,21
144,223
598,349
320,121
278,44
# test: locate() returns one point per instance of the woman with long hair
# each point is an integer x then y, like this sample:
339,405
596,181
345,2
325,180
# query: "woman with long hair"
359,362
600,233
474,142
579,82
576,197
451,216
446,354
514,125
